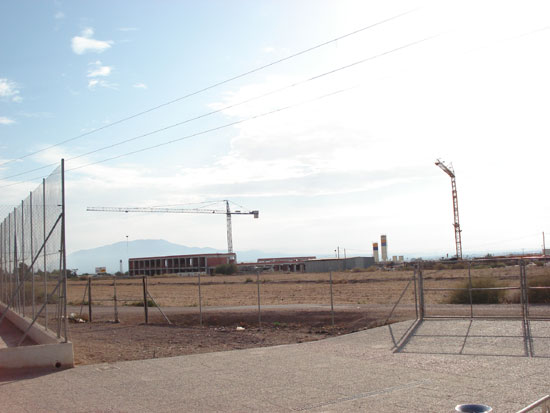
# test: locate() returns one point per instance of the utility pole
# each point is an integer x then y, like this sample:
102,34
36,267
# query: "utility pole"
458,238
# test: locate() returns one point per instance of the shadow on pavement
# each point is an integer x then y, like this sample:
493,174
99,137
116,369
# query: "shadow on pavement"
473,337
10,375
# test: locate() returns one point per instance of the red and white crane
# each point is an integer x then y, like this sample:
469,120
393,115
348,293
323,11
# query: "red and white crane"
458,239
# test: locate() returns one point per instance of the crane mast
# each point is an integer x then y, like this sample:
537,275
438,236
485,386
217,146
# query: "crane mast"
229,229
458,238
227,211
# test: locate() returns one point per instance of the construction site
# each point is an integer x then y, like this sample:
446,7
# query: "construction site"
274,206
178,306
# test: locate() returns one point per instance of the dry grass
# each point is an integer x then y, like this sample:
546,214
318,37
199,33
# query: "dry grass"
373,287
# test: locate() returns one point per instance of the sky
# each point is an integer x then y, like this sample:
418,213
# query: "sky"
326,116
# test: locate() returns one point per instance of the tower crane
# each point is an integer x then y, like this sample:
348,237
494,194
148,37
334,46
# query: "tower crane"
458,239
227,211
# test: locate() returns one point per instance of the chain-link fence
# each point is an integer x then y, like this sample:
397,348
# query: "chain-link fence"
32,257
347,300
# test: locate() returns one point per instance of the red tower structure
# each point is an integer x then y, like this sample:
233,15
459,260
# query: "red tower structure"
458,239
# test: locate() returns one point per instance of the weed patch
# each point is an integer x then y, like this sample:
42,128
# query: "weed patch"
478,296
539,296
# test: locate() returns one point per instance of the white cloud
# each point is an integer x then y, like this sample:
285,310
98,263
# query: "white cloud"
268,49
140,86
94,83
37,115
6,121
9,90
99,70
85,43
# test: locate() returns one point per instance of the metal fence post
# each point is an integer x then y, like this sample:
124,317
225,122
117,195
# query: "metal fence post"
145,308
415,293
259,307
9,273
16,268
64,254
32,257
90,299
2,261
200,301
44,253
522,290
421,292
331,301
470,289
22,270
526,285
116,302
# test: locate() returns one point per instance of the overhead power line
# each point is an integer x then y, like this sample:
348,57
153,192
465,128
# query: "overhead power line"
310,49
158,145
231,123
227,125
295,84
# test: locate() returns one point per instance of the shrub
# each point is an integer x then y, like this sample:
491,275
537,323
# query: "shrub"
226,269
478,296
39,295
539,296
150,303
459,266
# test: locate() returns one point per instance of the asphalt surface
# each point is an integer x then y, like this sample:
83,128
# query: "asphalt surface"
406,367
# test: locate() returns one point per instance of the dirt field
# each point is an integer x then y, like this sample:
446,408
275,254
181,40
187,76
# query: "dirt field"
296,308
131,339
378,287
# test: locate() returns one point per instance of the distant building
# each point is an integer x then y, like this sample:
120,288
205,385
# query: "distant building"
335,264
178,264
285,264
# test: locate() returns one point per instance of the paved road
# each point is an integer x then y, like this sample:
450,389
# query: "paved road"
439,364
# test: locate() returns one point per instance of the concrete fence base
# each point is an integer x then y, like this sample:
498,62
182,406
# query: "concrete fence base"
49,351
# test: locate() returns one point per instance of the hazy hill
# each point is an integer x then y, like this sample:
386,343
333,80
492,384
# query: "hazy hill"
110,255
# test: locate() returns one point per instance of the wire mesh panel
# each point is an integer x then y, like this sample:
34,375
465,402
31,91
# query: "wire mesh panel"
32,251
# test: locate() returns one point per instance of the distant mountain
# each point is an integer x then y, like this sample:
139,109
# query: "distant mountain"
110,255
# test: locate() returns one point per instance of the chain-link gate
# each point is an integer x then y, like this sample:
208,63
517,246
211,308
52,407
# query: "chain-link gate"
526,297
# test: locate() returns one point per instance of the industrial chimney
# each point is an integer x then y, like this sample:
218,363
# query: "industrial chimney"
375,251
384,248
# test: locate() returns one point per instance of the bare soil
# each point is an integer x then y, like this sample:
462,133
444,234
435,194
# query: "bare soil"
131,339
